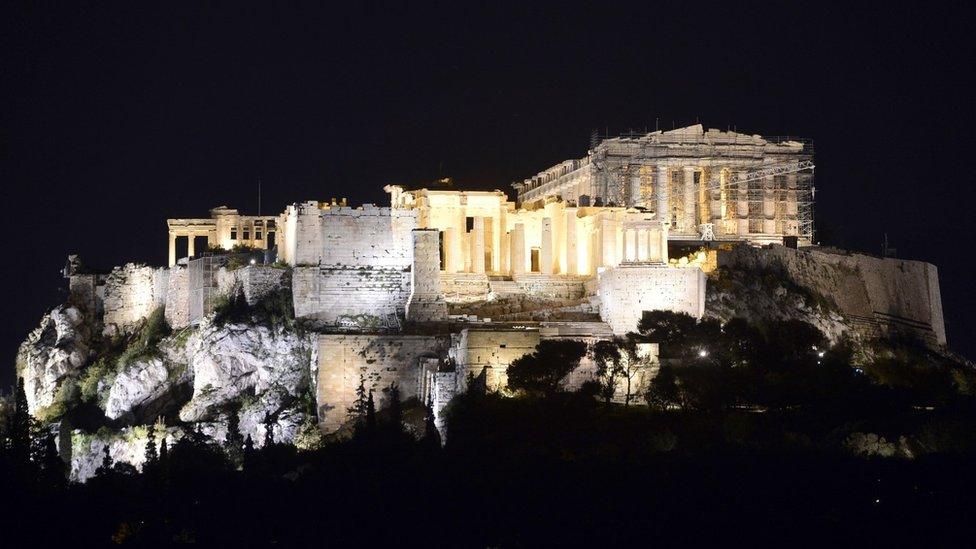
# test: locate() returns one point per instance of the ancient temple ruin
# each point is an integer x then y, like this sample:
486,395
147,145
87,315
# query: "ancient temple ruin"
440,285
706,185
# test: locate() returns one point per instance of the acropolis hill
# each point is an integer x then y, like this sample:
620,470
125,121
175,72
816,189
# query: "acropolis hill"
441,286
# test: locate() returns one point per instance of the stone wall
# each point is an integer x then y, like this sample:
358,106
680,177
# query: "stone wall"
131,293
426,303
178,297
352,298
380,359
880,294
627,291
488,351
367,236
257,281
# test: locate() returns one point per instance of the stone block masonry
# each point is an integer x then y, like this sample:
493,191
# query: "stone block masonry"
380,359
130,295
627,291
355,298
426,302
883,294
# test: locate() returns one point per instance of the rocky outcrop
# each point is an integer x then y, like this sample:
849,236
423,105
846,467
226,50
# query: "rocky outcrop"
877,296
54,352
762,297
132,292
127,445
264,371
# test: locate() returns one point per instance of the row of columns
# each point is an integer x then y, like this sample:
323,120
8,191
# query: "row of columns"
644,244
190,244
689,201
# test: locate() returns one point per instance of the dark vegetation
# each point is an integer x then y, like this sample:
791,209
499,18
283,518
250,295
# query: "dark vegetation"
744,441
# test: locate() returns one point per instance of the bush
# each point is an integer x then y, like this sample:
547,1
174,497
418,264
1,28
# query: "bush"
541,371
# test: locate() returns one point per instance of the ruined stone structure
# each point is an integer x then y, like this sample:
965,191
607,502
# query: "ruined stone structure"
704,184
225,229
444,286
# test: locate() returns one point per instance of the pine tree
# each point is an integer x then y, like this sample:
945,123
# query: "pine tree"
52,465
370,414
234,441
20,427
358,409
152,456
269,440
106,466
248,453
396,409
432,438
163,451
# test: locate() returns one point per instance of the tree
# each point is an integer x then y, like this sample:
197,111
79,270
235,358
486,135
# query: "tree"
234,441
396,409
606,355
662,392
432,438
106,467
21,426
370,414
51,464
358,409
269,439
163,450
542,371
633,360
151,455
666,328
248,453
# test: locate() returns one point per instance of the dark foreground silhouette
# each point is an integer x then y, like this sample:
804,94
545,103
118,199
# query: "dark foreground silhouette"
560,470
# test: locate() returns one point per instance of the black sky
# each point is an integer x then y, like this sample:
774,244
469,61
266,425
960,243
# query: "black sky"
115,118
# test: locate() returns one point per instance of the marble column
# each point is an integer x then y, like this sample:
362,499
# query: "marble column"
518,249
654,245
478,246
715,197
545,255
742,206
769,205
688,199
663,186
172,248
572,258
190,245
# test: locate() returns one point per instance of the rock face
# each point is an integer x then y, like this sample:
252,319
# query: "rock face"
128,445
759,299
264,370
876,296
53,352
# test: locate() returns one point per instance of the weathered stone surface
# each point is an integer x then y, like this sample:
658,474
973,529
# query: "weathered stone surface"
128,445
53,351
874,295
266,369
131,293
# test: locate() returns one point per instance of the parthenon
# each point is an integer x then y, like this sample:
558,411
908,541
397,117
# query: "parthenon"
704,184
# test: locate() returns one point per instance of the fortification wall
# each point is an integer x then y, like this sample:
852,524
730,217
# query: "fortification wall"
131,293
351,298
178,298
426,303
257,281
889,294
367,236
380,359
627,291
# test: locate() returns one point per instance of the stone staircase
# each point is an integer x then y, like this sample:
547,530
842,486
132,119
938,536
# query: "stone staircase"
504,288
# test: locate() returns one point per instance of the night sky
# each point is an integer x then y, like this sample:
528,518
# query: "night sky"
114,119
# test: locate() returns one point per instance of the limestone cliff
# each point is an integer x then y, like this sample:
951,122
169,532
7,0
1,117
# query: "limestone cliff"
102,387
